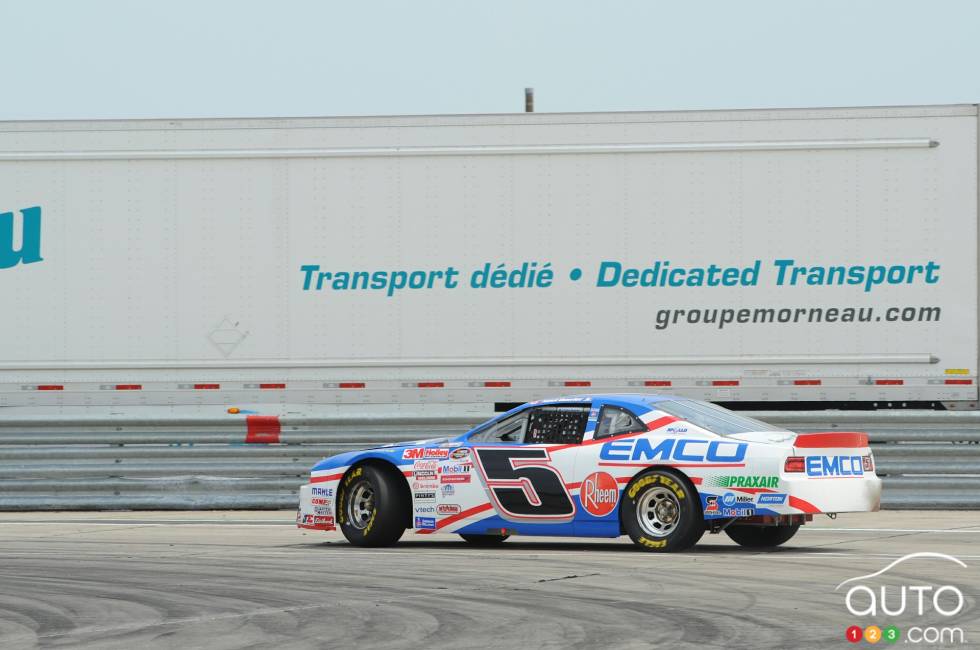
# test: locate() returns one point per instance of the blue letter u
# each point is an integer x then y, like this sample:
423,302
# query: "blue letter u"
30,247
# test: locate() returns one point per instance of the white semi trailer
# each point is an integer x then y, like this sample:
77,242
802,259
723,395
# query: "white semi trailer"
814,255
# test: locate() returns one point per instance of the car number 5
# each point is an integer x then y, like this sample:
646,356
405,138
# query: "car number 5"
523,484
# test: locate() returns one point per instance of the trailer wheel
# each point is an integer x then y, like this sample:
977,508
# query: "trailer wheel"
370,507
761,536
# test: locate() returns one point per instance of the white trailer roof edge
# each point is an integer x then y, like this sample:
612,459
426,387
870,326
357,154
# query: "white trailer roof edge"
491,119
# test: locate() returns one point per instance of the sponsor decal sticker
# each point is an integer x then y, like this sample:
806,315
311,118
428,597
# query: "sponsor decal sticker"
599,494
710,505
684,450
322,521
322,492
448,509
425,474
842,466
454,478
456,468
448,490
730,499
425,523
460,454
416,453
319,501
752,481
425,496
425,510
422,485
770,499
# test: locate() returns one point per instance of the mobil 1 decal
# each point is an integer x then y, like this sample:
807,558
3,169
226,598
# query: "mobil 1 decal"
523,484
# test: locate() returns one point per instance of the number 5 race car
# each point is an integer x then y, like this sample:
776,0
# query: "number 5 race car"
663,470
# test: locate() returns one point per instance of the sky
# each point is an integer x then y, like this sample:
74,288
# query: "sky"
221,58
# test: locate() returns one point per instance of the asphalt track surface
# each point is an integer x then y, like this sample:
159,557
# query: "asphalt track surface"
252,580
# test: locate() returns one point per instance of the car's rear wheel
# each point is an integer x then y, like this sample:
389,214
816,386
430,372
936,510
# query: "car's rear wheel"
371,506
661,512
761,536
484,540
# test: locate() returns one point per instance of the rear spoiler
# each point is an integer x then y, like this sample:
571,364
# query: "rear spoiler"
831,440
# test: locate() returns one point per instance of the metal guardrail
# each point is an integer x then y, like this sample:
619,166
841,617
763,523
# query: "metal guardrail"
926,459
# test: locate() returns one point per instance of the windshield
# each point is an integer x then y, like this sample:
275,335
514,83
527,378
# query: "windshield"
713,418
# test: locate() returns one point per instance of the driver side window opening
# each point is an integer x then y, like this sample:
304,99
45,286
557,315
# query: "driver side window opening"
509,430
559,425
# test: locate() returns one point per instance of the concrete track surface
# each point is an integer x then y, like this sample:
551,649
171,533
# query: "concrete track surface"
252,580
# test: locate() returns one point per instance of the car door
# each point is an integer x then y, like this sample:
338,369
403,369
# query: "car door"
525,463
598,488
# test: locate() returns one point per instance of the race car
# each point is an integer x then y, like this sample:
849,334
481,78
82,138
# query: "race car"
662,469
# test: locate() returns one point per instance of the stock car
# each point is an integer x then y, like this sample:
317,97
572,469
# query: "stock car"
662,469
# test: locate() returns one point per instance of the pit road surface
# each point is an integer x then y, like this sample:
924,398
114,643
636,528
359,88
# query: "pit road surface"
251,579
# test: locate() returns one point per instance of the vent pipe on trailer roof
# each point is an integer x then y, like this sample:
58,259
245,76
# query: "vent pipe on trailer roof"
529,100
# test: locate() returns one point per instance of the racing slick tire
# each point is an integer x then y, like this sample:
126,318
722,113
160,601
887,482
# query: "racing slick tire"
761,536
371,507
661,512
484,540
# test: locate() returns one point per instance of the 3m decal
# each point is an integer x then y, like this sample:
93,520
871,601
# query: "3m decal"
424,452
523,484
599,494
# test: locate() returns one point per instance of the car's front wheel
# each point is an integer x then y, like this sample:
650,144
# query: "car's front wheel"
661,512
371,506
761,536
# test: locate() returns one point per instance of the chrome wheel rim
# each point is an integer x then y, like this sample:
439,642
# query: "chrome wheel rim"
360,507
658,512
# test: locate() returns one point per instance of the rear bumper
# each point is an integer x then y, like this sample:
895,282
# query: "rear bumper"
812,496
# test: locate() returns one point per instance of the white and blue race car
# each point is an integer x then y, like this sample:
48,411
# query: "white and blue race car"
663,470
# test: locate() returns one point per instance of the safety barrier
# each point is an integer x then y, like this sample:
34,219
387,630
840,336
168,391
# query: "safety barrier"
926,459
